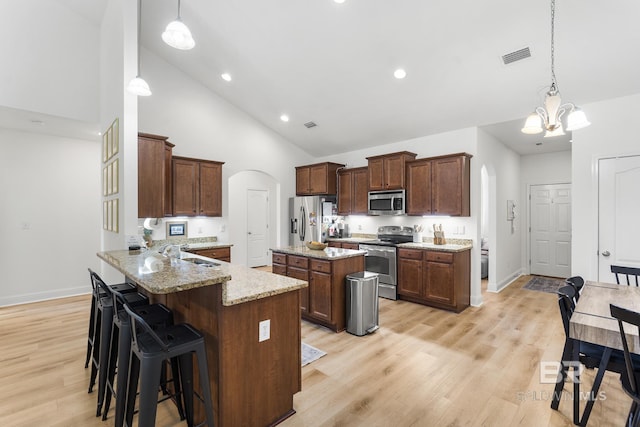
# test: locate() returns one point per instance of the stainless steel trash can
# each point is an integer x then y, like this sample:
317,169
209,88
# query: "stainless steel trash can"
362,302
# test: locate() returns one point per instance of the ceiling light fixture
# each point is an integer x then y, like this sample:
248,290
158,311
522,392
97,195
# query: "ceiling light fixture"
550,116
284,118
137,85
226,77
177,34
399,73
338,1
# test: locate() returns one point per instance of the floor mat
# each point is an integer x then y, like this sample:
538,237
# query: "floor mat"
310,354
544,284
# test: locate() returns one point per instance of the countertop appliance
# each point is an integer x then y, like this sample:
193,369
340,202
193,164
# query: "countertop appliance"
390,202
381,257
310,218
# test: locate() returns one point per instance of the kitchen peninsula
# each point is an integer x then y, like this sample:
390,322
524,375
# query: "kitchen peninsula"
252,381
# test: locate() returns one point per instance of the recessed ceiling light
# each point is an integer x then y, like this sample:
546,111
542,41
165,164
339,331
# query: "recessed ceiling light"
338,1
226,77
399,73
284,118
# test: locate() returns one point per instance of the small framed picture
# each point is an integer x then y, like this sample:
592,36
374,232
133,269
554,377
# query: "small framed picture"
114,177
104,147
115,137
109,143
104,181
115,215
110,178
105,216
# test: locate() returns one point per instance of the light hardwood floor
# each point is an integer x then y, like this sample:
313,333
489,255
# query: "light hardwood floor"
423,367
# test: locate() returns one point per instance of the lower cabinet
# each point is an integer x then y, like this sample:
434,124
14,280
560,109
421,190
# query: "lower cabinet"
323,301
438,279
223,254
343,245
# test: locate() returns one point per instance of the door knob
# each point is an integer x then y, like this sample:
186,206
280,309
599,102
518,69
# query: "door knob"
606,253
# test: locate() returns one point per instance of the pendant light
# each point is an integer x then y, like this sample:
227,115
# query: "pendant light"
137,85
177,34
549,117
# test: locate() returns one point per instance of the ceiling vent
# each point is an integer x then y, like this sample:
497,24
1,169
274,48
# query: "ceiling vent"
310,125
516,56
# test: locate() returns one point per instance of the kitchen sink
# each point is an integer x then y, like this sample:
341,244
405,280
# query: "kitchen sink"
202,262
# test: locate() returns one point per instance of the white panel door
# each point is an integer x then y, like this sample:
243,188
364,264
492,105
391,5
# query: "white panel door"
618,213
551,230
257,228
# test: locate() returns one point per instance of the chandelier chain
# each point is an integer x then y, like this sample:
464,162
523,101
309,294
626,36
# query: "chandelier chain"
553,18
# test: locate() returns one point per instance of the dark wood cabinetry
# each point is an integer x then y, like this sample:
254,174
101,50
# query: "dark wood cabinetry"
343,245
316,179
387,172
197,187
323,302
154,176
439,185
223,254
439,279
353,191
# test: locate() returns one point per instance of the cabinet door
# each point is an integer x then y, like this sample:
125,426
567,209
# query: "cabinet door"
151,185
376,174
447,184
419,188
410,277
301,274
279,269
302,181
318,180
359,192
186,175
168,180
439,283
320,295
344,192
394,172
210,189
333,244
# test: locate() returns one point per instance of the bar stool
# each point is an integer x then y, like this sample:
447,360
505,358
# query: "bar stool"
120,287
148,349
156,315
102,334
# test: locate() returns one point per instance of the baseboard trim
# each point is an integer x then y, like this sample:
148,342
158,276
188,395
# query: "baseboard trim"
43,296
503,284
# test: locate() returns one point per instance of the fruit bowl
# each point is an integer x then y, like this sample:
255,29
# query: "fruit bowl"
316,246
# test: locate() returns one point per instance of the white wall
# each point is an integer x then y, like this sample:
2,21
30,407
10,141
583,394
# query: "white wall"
611,133
203,125
53,70
50,217
535,169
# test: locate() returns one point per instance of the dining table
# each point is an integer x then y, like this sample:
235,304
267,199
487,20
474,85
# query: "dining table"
592,322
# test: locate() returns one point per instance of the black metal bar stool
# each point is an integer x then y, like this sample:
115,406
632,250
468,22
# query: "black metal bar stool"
102,334
156,315
120,287
148,349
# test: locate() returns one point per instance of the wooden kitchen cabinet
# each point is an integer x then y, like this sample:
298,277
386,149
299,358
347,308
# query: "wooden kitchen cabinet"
343,245
435,278
197,187
353,191
317,179
223,254
387,172
323,301
439,185
154,176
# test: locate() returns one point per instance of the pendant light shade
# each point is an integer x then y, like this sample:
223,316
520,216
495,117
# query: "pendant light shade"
577,120
138,86
177,35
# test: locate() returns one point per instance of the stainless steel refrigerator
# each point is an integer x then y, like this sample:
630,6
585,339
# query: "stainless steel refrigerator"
310,218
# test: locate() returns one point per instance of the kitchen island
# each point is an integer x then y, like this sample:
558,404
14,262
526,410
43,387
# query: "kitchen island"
323,302
252,381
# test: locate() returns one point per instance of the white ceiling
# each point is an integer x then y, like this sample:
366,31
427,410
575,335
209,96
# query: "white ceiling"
333,63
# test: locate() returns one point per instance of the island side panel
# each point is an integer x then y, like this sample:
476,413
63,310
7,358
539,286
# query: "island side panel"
342,268
259,379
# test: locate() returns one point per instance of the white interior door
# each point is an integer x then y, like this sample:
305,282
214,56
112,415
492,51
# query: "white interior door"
618,209
551,230
257,228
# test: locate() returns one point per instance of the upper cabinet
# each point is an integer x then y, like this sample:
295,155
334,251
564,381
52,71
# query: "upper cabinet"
154,176
387,172
197,187
439,185
316,179
353,191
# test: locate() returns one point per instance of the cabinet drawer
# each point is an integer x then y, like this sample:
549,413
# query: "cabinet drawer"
440,256
410,253
333,244
279,269
350,246
298,273
217,253
323,266
279,258
298,261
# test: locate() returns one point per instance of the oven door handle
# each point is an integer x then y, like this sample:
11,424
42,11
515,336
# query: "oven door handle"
377,249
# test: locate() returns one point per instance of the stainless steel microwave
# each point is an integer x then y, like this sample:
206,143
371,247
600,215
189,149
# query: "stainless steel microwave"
387,202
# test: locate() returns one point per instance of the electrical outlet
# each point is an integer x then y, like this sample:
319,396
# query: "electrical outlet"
264,329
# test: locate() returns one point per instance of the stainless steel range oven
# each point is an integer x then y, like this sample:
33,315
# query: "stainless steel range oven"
381,257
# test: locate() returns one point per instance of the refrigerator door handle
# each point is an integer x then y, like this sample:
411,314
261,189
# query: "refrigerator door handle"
303,223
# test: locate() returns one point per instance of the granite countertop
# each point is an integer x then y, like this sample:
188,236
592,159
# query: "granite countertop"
328,253
452,246
350,239
163,275
206,245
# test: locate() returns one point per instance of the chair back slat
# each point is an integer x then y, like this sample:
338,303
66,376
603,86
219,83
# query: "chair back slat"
630,273
566,301
633,318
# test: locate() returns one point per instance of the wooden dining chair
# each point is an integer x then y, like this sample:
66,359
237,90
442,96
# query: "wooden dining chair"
629,273
631,379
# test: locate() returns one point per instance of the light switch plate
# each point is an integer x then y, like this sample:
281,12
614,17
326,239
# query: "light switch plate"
264,329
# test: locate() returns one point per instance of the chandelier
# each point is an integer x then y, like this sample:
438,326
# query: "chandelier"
549,117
